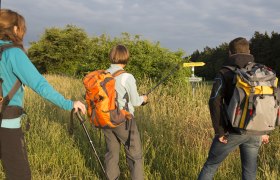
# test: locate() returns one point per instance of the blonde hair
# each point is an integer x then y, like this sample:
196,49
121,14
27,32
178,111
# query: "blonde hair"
8,21
119,54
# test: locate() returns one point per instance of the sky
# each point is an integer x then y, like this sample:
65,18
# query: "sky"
187,25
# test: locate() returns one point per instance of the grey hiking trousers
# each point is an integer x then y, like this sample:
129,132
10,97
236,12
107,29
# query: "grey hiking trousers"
114,138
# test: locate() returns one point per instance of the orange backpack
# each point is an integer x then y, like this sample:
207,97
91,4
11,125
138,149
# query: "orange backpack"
101,99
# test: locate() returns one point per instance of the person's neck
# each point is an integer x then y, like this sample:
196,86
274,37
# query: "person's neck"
121,65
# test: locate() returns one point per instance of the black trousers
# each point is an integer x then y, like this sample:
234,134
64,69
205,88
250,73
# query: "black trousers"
13,154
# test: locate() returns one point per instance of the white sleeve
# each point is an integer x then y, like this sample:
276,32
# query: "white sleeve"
129,82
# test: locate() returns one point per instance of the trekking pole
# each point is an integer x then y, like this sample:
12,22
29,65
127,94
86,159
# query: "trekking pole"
78,115
163,79
177,67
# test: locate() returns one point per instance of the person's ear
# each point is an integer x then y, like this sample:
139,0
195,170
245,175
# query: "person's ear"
15,30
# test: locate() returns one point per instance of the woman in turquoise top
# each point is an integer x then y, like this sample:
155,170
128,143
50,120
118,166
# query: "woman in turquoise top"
15,65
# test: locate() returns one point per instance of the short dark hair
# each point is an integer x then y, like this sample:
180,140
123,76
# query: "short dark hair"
119,54
239,45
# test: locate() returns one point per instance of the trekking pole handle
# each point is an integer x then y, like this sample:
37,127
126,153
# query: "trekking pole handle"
79,116
71,125
144,103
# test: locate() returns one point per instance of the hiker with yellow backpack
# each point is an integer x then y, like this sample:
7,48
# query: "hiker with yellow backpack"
16,71
111,96
244,108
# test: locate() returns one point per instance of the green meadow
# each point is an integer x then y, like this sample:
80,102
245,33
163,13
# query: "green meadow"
175,129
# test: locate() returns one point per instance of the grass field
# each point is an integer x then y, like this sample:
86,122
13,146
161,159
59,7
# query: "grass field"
175,128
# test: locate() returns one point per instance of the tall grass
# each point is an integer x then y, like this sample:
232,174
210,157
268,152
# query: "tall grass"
175,129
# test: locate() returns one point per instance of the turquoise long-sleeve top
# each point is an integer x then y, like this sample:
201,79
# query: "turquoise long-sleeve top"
15,64
126,83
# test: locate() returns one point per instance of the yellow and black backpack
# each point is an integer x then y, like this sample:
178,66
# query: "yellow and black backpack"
254,106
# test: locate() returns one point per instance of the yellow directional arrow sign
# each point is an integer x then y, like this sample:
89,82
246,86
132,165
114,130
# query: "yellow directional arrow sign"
192,64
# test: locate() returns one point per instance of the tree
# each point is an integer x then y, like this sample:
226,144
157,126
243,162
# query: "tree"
60,51
213,58
265,48
70,51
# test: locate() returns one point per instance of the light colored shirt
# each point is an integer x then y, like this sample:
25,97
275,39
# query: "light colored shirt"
126,83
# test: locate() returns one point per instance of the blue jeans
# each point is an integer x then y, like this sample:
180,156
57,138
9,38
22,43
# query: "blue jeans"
249,147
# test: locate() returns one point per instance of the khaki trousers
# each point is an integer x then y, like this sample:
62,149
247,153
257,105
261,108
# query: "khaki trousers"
114,138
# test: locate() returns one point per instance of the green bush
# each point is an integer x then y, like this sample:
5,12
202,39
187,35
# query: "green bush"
70,51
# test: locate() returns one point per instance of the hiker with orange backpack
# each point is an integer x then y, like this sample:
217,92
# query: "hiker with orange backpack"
125,85
16,70
111,96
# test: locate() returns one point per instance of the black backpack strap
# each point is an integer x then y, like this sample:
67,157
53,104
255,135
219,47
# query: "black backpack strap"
3,48
4,101
250,66
232,68
251,101
276,93
128,141
14,89
1,92
7,46
115,74
127,100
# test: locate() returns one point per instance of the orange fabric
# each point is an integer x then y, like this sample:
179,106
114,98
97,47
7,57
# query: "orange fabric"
101,100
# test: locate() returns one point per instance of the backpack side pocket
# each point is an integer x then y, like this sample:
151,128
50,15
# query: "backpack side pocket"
264,115
236,106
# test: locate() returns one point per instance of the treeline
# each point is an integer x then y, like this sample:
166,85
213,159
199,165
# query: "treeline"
264,47
70,51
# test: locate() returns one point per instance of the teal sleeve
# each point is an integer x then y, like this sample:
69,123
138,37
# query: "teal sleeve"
29,75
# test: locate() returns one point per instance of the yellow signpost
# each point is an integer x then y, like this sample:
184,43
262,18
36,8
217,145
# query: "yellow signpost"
192,64
193,79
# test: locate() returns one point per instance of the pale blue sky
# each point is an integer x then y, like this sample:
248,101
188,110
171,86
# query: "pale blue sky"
176,24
